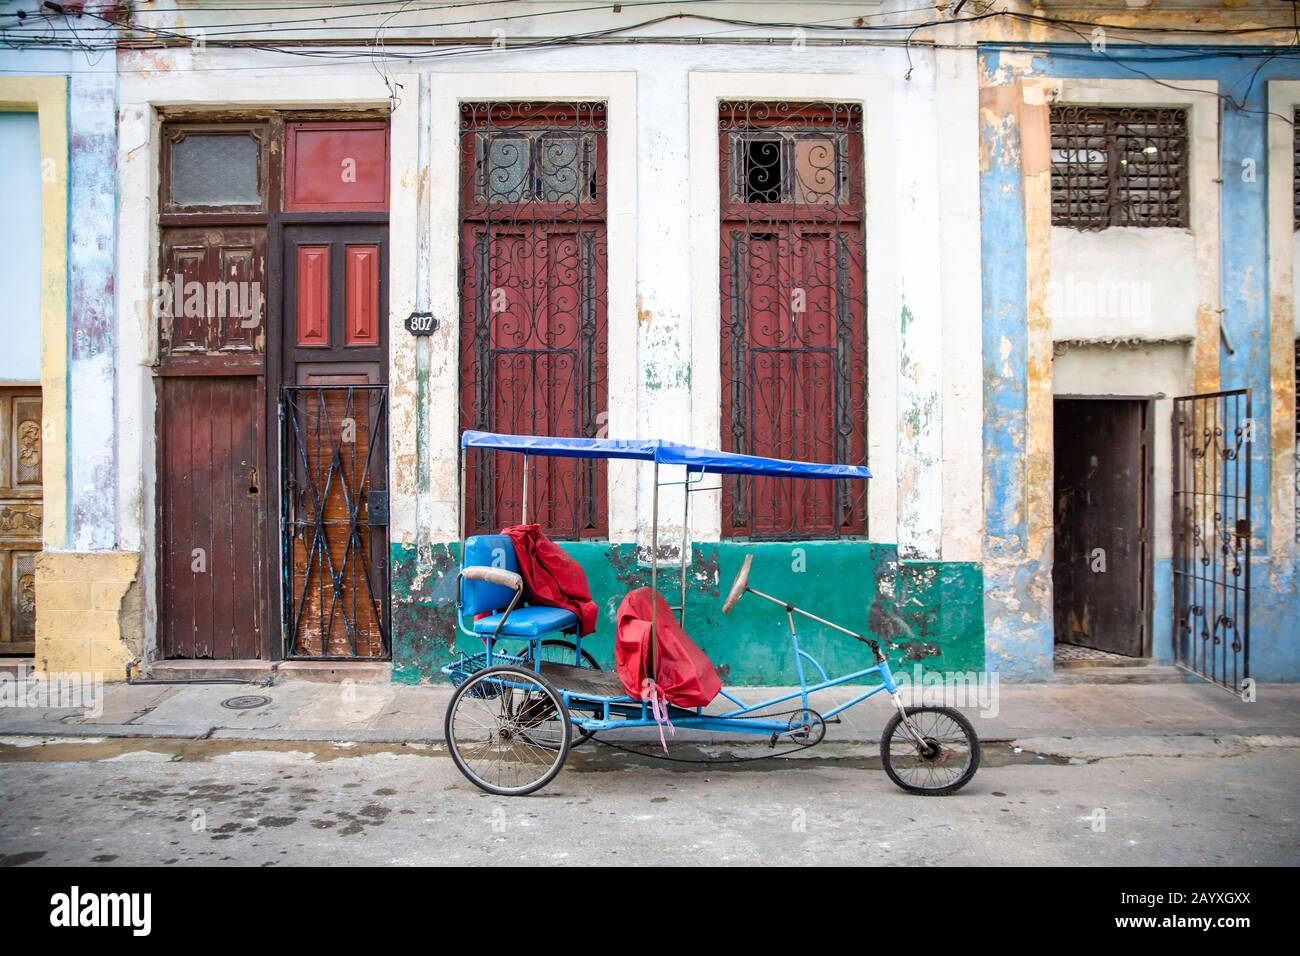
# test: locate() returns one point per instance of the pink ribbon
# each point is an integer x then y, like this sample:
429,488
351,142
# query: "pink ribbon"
659,709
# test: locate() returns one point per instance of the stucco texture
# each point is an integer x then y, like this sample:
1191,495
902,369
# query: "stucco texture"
929,613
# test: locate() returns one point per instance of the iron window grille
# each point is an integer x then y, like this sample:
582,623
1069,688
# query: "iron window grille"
793,312
533,269
1119,166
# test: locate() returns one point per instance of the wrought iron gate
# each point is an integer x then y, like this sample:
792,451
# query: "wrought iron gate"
1212,530
334,521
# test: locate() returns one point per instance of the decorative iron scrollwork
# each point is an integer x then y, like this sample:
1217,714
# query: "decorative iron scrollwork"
1212,539
1119,166
533,305
793,311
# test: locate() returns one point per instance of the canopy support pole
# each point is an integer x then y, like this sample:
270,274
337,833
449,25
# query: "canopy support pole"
460,514
686,523
654,575
524,520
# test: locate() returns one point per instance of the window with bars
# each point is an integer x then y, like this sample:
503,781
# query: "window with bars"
534,302
793,306
1119,166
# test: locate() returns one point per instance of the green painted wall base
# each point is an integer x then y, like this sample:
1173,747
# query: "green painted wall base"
930,613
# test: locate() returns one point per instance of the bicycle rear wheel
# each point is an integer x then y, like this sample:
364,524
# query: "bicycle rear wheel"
507,730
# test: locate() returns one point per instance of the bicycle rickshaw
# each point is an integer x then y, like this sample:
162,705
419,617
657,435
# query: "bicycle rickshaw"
533,692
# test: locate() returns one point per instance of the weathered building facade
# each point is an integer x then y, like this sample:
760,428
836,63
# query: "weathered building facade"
984,253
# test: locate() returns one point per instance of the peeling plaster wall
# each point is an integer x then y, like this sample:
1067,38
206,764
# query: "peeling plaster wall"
1122,283
1295,282
92,463
924,402
660,380
926,614
1231,226
959,426
1017,582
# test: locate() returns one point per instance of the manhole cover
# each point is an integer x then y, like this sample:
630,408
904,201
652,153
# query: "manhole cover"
246,702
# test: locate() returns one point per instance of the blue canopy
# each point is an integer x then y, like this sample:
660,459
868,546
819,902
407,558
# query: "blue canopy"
663,452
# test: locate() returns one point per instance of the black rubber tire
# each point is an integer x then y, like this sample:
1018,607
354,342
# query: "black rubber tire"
972,739
562,752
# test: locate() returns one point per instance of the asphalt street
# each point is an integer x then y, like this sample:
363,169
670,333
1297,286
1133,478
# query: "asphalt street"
177,802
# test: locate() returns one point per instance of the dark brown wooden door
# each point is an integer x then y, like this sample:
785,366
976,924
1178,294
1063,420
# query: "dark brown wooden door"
335,335
212,500
1102,489
20,516
211,488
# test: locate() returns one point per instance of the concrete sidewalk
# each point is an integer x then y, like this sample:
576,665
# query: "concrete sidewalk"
302,710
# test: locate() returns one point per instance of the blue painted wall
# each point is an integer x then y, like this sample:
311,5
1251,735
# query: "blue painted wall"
1242,75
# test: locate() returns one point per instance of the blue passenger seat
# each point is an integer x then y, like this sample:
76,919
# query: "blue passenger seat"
485,597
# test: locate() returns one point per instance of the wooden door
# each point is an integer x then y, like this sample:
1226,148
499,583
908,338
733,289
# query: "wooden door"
212,471
212,559
534,302
335,307
20,516
1100,566
793,308
792,374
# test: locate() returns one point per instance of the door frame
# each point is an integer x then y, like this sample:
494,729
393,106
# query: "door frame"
274,638
1147,540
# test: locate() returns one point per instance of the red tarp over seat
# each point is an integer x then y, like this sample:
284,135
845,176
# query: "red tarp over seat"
551,577
685,674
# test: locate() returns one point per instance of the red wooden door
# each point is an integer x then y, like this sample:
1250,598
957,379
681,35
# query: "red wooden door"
533,307
335,309
793,313
211,452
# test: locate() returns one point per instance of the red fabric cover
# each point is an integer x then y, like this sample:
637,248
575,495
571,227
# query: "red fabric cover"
550,576
685,674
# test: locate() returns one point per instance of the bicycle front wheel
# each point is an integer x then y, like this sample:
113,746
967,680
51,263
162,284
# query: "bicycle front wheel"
945,761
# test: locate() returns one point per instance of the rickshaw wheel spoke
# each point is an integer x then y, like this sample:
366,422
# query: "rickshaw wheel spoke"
564,651
503,733
948,761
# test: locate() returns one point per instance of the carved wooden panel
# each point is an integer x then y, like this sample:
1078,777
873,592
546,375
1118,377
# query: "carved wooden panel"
361,292
313,296
211,302
20,516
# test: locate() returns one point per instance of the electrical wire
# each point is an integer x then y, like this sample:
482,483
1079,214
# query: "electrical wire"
737,25
1239,105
